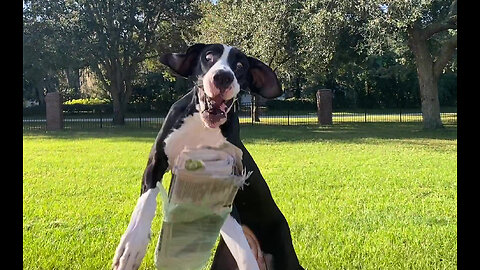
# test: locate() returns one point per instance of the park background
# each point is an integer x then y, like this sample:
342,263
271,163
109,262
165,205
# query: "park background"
377,189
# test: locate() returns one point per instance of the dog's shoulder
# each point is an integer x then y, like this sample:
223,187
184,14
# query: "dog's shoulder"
181,105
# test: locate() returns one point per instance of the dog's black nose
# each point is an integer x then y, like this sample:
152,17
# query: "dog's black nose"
222,79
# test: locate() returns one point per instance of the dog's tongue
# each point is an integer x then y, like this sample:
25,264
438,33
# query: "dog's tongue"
218,104
217,110
213,117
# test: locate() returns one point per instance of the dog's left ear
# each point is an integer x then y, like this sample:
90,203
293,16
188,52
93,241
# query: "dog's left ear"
263,80
183,64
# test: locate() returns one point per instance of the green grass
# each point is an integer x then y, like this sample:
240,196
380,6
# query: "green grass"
356,196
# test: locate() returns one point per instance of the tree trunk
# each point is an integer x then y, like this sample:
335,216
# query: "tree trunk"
429,98
120,90
73,80
119,107
39,90
297,92
427,80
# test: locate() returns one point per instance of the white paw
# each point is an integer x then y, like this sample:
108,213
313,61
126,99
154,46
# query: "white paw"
131,250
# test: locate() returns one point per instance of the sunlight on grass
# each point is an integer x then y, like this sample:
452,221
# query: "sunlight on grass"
369,196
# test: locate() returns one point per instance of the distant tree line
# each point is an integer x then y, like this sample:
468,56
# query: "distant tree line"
370,53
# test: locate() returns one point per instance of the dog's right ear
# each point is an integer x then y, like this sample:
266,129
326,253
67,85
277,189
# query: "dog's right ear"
183,63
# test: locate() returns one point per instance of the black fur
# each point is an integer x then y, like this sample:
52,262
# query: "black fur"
253,205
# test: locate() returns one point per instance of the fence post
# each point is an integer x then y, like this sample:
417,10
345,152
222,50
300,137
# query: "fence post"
101,118
365,115
140,119
324,106
54,111
400,115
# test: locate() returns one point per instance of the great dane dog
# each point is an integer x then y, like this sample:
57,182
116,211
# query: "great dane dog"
204,117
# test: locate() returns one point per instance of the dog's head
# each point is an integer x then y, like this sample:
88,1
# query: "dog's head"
221,71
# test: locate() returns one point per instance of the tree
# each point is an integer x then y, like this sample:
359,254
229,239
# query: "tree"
119,35
428,30
263,29
48,60
322,25
430,68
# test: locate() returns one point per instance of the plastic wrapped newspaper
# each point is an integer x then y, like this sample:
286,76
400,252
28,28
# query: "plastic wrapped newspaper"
204,183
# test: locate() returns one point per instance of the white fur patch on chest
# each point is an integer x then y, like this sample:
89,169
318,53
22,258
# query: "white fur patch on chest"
191,134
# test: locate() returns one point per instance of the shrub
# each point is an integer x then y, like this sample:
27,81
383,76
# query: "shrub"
87,101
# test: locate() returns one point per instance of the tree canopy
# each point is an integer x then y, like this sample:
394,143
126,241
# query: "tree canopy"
380,53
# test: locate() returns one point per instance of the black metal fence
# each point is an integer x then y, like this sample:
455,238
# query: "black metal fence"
86,120
298,117
99,120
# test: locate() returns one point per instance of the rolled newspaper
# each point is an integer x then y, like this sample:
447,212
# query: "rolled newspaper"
204,183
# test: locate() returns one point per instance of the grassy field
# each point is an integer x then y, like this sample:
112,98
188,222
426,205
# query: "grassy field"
356,196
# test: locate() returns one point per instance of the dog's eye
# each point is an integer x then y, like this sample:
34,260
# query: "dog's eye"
209,56
239,65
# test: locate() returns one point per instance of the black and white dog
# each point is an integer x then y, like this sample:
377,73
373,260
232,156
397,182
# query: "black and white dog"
204,117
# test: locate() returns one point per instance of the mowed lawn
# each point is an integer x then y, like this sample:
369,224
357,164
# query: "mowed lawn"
356,196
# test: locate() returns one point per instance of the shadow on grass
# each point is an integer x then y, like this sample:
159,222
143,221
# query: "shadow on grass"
350,132
97,133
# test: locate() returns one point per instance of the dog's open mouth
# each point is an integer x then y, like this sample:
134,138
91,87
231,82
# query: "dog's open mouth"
214,112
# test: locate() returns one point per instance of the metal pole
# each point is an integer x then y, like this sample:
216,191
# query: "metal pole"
288,116
252,113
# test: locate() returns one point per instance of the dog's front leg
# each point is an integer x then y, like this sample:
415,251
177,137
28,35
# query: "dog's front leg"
134,242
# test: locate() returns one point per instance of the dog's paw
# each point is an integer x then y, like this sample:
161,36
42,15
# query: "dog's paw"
131,250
